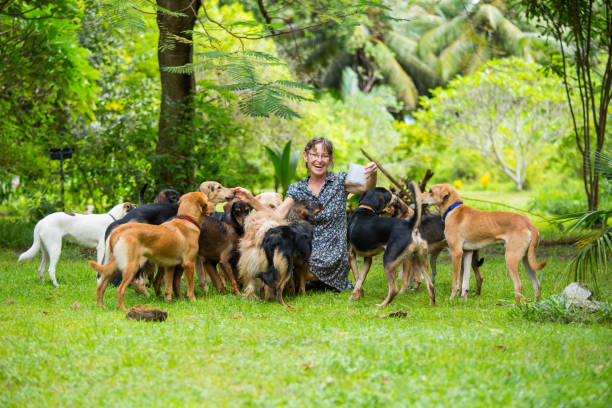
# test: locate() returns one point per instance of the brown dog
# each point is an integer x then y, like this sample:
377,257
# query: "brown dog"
215,192
468,229
174,242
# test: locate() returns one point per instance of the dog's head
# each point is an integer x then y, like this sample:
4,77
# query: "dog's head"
168,196
303,210
439,195
270,199
127,207
195,204
215,192
237,210
382,202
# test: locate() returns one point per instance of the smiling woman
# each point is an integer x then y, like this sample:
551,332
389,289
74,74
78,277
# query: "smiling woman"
329,261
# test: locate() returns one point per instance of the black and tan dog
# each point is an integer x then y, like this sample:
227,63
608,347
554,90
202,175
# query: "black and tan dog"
165,196
287,249
369,233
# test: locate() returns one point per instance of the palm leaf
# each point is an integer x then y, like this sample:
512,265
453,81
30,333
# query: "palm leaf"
453,57
424,76
438,38
396,77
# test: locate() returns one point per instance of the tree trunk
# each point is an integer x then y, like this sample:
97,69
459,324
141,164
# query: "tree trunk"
170,166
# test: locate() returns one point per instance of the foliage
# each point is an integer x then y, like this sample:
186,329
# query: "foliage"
582,30
411,46
559,309
507,112
285,165
46,83
594,249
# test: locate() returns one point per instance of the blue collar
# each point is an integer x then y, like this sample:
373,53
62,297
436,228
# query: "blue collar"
457,204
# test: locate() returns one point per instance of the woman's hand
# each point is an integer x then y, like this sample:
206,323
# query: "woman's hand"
370,169
243,194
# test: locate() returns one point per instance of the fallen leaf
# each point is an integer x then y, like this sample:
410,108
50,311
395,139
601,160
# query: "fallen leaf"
236,317
9,302
306,366
44,312
399,313
76,305
496,331
342,333
385,380
501,348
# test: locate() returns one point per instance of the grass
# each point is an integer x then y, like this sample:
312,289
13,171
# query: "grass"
60,349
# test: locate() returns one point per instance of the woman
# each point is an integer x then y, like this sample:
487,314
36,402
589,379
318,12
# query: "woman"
329,260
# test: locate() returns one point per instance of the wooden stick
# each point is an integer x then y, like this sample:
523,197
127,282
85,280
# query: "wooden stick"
389,176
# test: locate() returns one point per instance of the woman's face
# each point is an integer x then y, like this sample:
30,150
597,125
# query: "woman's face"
317,160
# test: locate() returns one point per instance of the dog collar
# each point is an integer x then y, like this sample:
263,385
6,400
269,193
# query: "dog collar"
457,204
111,215
367,207
188,218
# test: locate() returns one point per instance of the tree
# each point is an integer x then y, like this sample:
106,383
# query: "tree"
583,29
507,111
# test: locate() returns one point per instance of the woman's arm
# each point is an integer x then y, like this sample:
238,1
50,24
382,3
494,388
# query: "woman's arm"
371,176
245,195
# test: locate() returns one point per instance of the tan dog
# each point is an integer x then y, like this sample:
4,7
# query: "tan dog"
467,229
174,242
270,199
215,192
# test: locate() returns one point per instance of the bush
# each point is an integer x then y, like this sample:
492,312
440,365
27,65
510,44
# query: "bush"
558,201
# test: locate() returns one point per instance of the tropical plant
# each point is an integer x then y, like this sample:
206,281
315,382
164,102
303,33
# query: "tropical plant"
594,249
507,112
582,29
285,165
412,46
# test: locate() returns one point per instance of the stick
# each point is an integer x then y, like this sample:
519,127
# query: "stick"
389,176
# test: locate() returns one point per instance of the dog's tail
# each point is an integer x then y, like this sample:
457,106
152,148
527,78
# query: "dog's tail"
418,202
141,194
533,245
30,253
106,269
110,267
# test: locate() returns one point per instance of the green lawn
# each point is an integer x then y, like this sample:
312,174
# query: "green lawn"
60,349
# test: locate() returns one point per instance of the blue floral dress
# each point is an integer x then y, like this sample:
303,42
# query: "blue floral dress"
329,260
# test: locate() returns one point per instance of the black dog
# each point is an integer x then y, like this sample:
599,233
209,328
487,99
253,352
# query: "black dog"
287,247
369,234
165,196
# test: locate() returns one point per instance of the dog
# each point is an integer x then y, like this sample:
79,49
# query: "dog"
216,192
218,244
159,212
369,234
87,230
174,242
252,260
270,199
288,247
164,196
432,230
467,229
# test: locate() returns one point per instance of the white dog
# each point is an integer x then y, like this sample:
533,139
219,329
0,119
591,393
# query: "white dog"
84,229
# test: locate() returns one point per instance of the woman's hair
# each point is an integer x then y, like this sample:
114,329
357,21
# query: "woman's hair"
327,144
329,147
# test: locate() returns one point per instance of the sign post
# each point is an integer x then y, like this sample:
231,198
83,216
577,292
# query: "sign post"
61,155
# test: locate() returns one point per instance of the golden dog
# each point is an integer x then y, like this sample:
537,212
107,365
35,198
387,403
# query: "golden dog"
215,192
174,242
467,229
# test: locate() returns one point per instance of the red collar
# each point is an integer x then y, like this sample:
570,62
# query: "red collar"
188,218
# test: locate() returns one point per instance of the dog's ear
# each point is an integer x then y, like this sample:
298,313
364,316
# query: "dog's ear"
444,192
